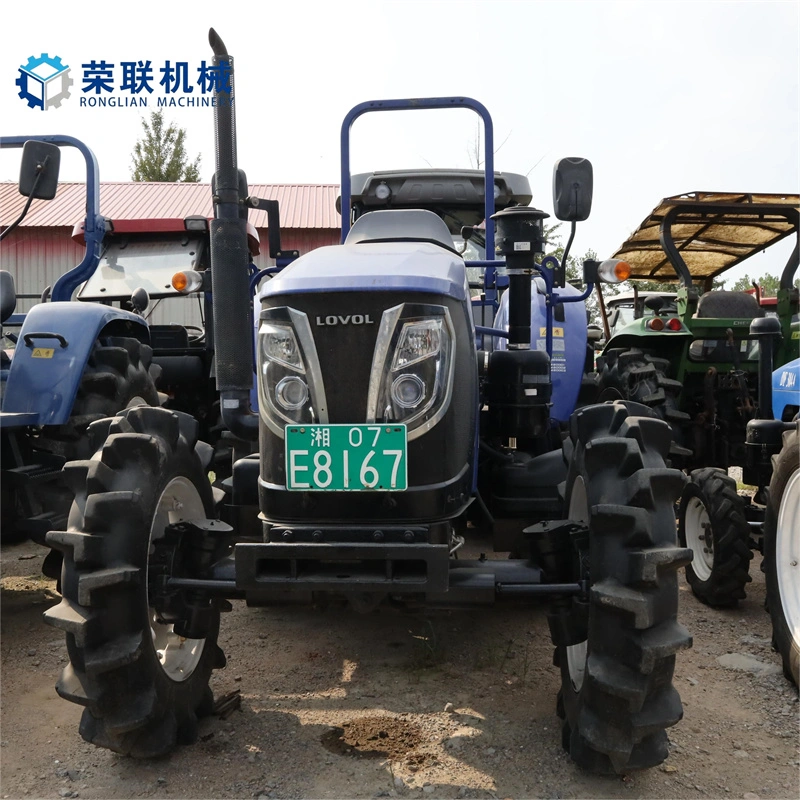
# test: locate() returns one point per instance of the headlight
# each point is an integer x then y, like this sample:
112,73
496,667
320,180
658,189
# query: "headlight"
412,369
290,387
408,391
279,344
291,393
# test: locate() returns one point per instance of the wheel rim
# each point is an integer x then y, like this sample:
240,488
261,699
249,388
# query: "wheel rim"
787,554
697,526
577,653
609,393
177,655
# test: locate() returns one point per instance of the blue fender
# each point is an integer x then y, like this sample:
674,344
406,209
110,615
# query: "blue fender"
786,390
569,345
46,369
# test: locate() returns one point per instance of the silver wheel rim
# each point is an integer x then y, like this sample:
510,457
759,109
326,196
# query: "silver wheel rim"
697,526
787,555
177,655
577,653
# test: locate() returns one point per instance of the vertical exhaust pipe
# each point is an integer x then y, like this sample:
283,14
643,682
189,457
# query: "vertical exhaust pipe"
767,330
233,335
519,237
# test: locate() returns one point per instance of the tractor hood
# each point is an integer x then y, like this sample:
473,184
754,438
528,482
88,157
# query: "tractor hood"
374,267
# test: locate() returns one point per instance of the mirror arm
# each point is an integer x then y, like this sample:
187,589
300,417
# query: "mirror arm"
13,226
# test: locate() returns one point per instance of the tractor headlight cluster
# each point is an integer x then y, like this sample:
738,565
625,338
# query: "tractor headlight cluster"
412,368
290,388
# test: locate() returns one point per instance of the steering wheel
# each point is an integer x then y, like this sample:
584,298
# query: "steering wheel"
196,333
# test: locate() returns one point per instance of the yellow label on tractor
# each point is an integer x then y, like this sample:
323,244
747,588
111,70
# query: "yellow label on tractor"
795,334
42,352
558,333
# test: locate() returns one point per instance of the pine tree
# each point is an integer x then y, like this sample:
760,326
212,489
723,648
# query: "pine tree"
160,155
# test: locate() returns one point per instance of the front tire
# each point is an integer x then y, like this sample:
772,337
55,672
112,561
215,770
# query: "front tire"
713,525
616,648
782,553
142,684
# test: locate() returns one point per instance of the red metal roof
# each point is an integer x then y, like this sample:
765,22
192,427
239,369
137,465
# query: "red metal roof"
301,205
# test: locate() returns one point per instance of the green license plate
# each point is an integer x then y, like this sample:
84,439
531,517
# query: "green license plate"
346,458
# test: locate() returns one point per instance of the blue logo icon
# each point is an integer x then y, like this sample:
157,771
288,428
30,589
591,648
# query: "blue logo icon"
44,82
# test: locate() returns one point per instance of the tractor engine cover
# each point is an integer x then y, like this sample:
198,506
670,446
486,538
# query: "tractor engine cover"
381,333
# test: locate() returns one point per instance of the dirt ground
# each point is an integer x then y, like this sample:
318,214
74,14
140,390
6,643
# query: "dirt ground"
448,705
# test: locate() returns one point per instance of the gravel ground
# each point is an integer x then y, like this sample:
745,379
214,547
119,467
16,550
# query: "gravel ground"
447,705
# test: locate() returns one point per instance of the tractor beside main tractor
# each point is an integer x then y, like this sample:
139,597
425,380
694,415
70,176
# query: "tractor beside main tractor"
693,358
385,441
69,364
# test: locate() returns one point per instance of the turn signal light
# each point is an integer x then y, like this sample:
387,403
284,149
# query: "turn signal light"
656,324
187,281
612,270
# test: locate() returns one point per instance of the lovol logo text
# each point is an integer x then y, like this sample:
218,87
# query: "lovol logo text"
350,319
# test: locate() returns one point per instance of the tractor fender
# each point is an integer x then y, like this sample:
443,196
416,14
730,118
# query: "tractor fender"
666,343
54,345
569,345
632,334
786,390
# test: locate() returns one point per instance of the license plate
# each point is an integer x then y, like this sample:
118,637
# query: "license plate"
346,458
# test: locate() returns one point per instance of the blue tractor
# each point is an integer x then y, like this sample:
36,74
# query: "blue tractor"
68,365
775,446
388,446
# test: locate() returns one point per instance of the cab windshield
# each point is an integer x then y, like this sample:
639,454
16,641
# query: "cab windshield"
128,264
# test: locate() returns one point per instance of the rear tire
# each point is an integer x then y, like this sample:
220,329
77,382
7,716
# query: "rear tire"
782,553
641,377
142,684
713,525
118,373
616,650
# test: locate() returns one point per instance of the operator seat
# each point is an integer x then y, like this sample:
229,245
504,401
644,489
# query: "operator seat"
401,225
728,305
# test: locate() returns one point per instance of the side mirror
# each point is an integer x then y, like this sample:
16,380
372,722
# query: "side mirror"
572,189
8,295
140,300
38,173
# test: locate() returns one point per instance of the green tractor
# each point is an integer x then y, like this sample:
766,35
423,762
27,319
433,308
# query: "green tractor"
691,357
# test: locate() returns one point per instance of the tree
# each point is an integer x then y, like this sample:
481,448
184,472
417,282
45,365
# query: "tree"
769,284
160,155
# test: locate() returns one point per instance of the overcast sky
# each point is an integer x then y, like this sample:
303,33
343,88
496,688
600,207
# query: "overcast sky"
663,98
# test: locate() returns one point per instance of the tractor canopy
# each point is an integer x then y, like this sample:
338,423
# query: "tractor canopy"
699,235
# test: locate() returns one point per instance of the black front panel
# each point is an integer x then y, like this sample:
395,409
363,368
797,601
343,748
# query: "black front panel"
439,461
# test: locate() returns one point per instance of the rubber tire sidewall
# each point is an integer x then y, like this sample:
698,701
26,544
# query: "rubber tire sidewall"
126,611
786,464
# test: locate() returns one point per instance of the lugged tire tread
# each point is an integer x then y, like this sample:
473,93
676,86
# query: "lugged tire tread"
638,375
730,572
785,640
617,723
131,706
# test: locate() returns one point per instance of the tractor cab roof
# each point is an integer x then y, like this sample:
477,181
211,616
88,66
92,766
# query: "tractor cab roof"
707,233
456,195
142,228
